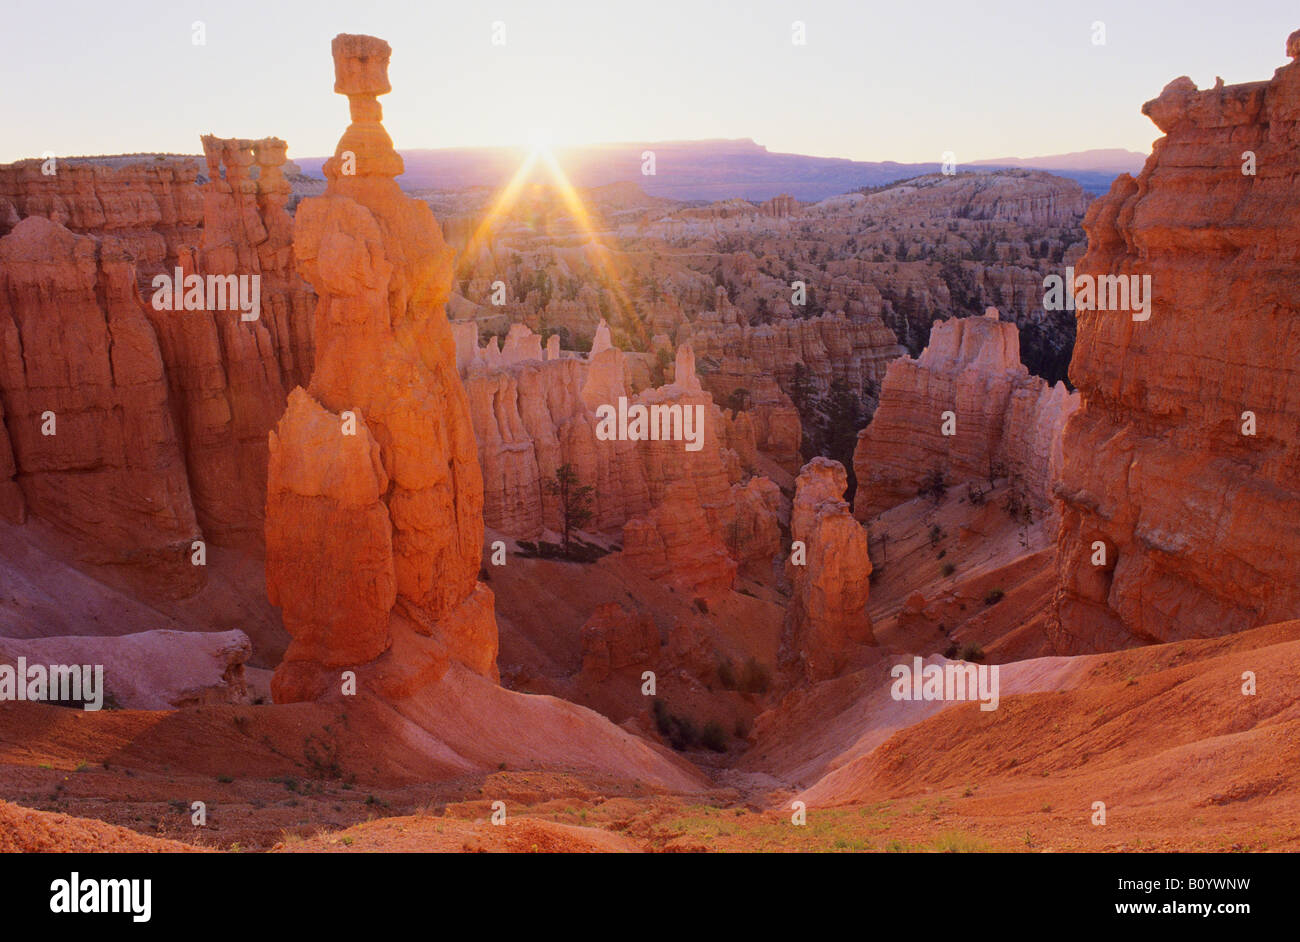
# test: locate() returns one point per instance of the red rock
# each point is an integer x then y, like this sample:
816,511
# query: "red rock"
827,619
1198,519
1003,416
391,518
75,342
531,416
12,506
761,361
614,638
675,543
226,378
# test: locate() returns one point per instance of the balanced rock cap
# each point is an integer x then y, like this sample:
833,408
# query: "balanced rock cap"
361,65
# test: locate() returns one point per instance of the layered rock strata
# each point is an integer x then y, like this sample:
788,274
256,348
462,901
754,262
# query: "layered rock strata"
95,448
764,364
691,516
1183,461
206,385
966,408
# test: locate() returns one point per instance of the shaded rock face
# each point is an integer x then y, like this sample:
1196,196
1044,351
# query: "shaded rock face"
1198,520
374,510
206,385
229,376
1004,420
614,638
827,618
535,411
689,516
95,448
763,361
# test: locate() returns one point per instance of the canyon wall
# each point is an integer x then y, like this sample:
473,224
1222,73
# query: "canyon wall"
161,415
690,516
374,505
1191,501
765,365
95,447
1004,422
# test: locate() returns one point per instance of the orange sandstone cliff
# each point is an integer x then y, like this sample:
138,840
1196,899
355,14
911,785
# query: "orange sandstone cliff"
1003,421
1179,508
160,415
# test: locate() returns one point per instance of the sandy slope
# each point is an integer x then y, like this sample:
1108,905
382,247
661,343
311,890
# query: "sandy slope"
25,831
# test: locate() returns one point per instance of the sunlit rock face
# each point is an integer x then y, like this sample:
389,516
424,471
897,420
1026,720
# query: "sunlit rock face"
967,407
374,513
1195,518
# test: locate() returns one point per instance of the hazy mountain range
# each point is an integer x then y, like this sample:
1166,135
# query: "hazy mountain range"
722,169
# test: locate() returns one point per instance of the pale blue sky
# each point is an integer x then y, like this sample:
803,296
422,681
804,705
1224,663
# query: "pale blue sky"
905,80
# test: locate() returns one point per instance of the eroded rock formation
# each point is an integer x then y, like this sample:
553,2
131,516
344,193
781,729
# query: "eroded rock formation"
764,365
691,516
1005,422
374,513
189,394
827,618
147,670
1196,517
95,448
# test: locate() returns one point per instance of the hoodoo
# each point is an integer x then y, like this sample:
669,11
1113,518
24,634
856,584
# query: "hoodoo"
374,513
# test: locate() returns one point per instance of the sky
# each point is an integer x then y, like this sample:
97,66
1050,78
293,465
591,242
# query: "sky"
905,80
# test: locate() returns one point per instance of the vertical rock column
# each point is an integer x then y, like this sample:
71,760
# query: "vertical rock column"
374,516
827,620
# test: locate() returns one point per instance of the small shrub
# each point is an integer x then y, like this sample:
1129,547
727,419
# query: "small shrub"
949,569
713,737
934,485
970,652
702,606
684,734
663,721
755,678
994,596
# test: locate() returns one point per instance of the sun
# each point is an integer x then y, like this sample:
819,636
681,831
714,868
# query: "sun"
540,155
540,142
